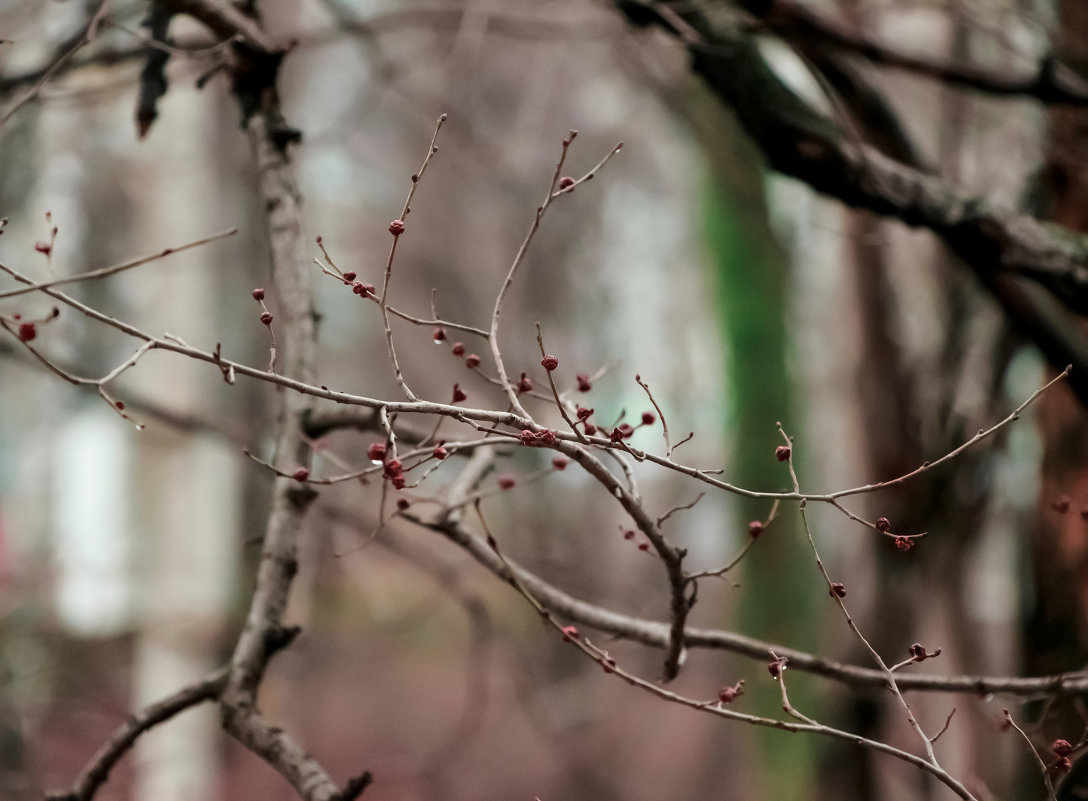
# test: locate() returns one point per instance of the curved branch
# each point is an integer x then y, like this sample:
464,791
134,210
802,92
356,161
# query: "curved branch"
657,635
97,770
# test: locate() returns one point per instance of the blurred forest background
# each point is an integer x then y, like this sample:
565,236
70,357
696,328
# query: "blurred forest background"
744,298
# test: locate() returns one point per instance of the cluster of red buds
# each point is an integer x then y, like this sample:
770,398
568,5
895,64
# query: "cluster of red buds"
266,315
1062,749
755,528
472,361
904,543
542,439
458,394
838,589
782,453
393,472
525,384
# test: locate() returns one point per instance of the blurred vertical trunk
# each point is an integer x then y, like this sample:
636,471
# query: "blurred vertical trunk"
1057,629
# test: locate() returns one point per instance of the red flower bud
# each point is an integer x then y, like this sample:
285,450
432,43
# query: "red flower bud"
729,694
266,318
376,452
301,474
570,633
525,384
549,363
258,294
566,182
1062,748
472,361
458,394
883,524
349,276
837,588
584,384
439,335
403,503
782,453
559,463
458,349
648,418
441,453
507,482
396,228
755,528
27,332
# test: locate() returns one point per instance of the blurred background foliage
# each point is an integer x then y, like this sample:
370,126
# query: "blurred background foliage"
743,298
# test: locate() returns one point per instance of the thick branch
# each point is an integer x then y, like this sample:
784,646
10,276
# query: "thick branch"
802,143
1048,82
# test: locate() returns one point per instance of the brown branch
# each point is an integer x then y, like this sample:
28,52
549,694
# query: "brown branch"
656,635
798,141
1048,81
97,770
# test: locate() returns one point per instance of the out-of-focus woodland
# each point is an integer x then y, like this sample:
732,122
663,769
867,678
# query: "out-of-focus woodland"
860,219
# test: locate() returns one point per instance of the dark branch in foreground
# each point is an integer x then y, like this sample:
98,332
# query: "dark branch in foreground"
997,244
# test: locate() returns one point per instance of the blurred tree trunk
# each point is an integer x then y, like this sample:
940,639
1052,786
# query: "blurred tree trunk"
1057,627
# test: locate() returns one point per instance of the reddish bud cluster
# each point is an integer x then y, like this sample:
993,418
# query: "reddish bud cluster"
438,335
258,294
301,475
440,452
458,394
584,384
559,463
349,277
545,438
27,331
883,524
728,695
644,546
1062,748
472,361
376,452
583,413
648,418
266,318
359,288
403,503
629,534
566,182
549,363
396,228
43,247
458,349
837,588
755,528
394,473
782,453
525,384
570,633
904,543
507,482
